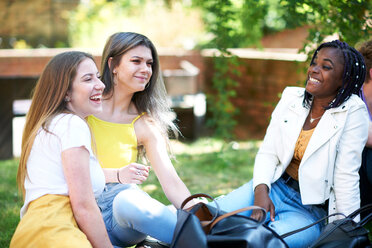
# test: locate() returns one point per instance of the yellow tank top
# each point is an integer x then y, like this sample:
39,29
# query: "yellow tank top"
301,144
116,143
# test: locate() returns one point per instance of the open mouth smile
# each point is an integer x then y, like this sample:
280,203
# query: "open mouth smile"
96,98
313,80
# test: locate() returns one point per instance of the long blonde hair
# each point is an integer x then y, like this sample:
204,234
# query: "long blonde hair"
153,99
48,100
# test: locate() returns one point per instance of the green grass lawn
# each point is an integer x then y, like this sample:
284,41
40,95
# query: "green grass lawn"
206,166
201,165
205,169
10,201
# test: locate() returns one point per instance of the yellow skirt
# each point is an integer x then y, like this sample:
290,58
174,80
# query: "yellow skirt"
49,222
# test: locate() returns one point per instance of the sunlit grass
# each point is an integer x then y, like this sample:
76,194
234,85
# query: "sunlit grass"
10,201
209,166
206,166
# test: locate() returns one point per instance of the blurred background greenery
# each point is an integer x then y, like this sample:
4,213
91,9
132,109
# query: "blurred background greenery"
213,165
179,23
187,24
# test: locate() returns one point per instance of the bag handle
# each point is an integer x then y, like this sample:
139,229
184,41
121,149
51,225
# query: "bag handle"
204,224
359,210
199,195
224,216
331,230
350,216
366,219
308,226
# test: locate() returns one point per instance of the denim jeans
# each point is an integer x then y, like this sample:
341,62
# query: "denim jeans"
290,213
130,214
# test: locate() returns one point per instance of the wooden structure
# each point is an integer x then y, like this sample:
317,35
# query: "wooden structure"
20,69
264,75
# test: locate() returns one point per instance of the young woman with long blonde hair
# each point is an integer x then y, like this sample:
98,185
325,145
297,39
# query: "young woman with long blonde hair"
136,117
58,172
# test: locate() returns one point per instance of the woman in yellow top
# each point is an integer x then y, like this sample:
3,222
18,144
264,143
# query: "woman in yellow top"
135,115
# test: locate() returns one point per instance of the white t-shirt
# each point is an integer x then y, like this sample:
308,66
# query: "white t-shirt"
44,165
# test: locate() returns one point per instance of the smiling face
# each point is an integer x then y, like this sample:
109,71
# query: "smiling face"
84,97
134,70
325,74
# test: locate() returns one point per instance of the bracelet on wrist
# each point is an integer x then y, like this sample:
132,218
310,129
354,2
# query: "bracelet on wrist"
117,175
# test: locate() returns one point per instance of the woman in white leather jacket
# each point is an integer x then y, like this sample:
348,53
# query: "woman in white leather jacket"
308,163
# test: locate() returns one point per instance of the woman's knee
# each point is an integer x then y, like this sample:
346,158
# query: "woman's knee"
238,198
134,207
126,206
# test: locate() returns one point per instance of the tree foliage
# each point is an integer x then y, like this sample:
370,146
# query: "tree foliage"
242,23
349,20
233,24
227,21
94,21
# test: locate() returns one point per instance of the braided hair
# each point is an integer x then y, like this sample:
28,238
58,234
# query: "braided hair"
353,75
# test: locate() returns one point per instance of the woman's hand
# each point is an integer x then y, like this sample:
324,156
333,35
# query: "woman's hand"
262,199
133,173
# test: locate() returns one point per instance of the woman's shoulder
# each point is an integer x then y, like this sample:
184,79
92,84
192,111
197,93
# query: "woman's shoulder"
147,128
70,118
353,103
65,121
353,109
145,121
293,91
355,100
291,96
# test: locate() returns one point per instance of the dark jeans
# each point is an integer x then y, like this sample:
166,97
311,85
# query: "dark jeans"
365,174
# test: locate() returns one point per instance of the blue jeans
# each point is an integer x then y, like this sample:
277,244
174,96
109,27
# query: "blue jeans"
130,215
290,213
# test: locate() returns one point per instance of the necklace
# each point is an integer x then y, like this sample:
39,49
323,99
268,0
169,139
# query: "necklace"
313,119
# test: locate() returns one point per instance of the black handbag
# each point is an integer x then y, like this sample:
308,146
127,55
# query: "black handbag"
204,226
346,232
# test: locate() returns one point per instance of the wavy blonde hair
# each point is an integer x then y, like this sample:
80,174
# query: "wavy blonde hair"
48,100
153,99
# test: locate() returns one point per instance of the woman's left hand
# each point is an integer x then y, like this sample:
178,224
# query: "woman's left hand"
133,173
262,199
